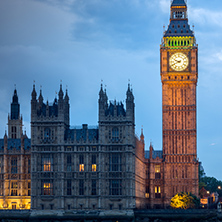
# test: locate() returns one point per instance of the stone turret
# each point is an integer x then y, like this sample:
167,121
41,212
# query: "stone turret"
57,112
102,103
130,104
14,119
114,116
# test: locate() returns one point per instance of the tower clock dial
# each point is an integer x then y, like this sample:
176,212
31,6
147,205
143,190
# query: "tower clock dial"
178,61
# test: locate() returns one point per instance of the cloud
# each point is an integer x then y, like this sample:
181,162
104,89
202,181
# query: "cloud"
164,5
203,16
213,144
219,55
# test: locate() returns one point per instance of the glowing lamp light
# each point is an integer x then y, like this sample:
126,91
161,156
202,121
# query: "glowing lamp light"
219,187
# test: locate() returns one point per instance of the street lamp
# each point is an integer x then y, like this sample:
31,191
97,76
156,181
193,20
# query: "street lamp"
219,187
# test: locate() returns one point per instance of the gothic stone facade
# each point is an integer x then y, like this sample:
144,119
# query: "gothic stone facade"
85,168
15,163
107,167
179,73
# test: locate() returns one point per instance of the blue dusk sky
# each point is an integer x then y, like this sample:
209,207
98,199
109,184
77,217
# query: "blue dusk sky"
82,42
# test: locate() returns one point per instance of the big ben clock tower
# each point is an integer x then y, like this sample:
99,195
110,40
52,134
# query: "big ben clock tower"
179,73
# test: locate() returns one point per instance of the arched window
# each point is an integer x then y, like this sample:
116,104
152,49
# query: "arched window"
115,134
47,134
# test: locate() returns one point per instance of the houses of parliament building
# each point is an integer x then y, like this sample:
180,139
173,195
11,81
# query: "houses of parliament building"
107,167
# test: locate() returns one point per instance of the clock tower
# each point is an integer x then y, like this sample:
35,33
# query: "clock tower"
179,73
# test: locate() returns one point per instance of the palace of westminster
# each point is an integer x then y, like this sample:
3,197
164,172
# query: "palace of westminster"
107,167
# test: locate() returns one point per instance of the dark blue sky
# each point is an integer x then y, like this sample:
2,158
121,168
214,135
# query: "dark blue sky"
82,42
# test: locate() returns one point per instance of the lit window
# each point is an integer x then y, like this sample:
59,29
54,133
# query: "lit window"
14,187
157,172
81,163
47,187
157,168
47,162
147,194
94,167
81,167
157,192
93,163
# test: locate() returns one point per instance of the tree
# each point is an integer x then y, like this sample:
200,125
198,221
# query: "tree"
184,201
212,184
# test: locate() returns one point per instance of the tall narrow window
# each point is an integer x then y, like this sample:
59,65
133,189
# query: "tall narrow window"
93,187
157,172
47,162
13,132
94,163
147,194
29,188
157,192
47,187
81,163
14,188
69,187
14,165
115,134
29,165
0,165
115,187
47,133
69,163
115,162
81,187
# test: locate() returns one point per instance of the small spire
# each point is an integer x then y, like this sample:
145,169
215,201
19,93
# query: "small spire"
101,90
40,95
5,136
61,92
66,96
34,94
142,136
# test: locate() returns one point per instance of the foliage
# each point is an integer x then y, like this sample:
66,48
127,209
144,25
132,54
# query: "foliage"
211,184
185,201
201,171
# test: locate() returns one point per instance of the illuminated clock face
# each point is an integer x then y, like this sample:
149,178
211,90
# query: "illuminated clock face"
178,61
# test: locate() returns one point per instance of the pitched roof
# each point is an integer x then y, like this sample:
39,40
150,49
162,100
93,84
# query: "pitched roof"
178,28
83,134
16,143
178,3
155,154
